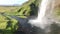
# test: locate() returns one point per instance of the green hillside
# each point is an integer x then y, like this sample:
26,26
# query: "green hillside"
9,25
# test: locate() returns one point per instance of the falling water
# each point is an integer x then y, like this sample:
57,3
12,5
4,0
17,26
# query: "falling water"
40,21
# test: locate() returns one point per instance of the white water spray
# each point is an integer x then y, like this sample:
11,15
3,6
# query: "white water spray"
39,21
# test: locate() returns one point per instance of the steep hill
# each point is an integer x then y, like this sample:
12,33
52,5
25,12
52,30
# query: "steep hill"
8,25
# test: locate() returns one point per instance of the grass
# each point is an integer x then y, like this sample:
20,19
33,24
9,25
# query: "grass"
7,24
3,22
9,8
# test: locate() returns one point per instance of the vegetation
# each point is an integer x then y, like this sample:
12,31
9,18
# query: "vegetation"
9,25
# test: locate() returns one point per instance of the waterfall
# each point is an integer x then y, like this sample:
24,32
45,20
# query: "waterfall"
46,5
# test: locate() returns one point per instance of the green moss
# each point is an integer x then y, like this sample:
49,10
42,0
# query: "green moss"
3,22
7,24
57,11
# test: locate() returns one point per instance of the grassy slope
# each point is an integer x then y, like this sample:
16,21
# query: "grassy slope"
28,8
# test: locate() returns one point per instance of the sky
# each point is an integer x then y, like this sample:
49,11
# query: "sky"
12,2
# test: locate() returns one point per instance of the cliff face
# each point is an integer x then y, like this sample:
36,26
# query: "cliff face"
57,3
56,11
53,12
29,8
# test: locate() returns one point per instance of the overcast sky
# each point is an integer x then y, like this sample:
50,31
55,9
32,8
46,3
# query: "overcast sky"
11,2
